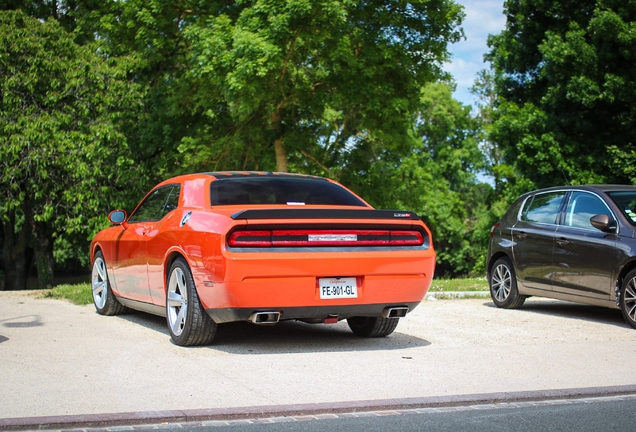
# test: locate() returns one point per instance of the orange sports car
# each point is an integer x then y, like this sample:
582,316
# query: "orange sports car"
211,248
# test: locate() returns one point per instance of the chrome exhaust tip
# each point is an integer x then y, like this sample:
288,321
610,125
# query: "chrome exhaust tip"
264,317
395,312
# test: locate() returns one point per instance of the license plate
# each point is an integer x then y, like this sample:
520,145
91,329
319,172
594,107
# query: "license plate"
336,288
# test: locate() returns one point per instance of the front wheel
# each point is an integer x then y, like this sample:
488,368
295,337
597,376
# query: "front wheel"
372,327
503,285
628,298
188,322
105,301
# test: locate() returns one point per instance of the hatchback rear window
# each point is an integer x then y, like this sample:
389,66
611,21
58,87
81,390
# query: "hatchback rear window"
271,190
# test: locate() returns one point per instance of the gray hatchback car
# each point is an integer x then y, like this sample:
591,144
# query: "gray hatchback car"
575,243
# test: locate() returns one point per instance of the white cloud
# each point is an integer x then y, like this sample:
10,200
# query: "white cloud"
483,17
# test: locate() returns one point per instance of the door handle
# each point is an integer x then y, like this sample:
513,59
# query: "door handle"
522,235
562,241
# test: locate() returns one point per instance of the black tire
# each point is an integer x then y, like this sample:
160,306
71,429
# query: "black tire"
188,323
103,298
503,285
372,327
628,298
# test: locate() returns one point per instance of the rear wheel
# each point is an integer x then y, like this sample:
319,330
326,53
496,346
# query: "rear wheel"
372,327
628,298
188,322
503,285
105,301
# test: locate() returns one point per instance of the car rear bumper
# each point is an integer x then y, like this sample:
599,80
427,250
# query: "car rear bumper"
315,314
275,280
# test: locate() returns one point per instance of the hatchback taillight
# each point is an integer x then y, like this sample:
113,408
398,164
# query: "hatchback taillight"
492,230
316,238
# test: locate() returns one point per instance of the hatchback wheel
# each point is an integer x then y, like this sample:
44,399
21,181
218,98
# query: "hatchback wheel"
105,301
628,298
503,285
188,322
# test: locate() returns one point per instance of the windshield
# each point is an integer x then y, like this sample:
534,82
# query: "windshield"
273,190
626,202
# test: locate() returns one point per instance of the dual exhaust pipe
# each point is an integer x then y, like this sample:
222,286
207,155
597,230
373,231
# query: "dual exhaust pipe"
272,317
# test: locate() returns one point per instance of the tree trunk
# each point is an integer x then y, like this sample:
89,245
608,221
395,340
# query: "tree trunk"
13,254
43,248
281,154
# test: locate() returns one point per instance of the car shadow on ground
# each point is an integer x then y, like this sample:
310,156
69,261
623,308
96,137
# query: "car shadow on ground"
576,311
286,337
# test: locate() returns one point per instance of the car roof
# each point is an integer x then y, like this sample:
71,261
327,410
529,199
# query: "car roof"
591,188
263,174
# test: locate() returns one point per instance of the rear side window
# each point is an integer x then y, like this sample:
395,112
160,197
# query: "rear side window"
269,190
543,208
157,204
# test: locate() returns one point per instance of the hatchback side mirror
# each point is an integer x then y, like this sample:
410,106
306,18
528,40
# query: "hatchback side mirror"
603,222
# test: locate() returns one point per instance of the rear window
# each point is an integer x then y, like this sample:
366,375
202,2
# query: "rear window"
291,191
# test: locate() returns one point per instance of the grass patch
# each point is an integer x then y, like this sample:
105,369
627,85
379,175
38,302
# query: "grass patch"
80,294
467,284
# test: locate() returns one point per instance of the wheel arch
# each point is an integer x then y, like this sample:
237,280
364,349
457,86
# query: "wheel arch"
170,259
627,267
493,260
95,248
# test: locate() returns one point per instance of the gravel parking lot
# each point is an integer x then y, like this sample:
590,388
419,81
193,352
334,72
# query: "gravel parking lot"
61,359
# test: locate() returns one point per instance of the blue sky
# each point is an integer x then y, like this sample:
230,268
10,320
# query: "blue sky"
483,17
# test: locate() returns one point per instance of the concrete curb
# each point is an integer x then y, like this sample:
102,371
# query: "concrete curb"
220,414
439,295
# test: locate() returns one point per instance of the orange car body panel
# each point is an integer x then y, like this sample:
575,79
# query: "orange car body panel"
138,256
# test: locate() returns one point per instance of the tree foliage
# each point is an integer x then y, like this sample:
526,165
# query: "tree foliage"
61,146
97,91
275,84
433,174
288,71
565,86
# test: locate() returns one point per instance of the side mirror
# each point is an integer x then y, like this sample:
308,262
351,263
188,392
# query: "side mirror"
603,222
118,217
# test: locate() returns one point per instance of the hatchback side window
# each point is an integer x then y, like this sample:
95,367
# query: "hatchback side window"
543,208
582,207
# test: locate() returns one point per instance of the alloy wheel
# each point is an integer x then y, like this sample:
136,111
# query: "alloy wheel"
177,301
501,282
629,299
99,282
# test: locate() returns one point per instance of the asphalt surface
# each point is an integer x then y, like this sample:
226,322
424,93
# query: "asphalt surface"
64,366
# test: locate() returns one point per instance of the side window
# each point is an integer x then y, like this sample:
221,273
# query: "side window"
157,205
543,208
173,200
582,207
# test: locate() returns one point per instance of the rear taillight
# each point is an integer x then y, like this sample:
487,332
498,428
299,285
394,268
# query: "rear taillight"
492,230
316,238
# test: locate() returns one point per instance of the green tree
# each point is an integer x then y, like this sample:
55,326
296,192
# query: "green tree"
566,90
274,83
62,109
435,175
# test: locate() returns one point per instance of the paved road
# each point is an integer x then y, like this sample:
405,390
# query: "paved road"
581,415
59,359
